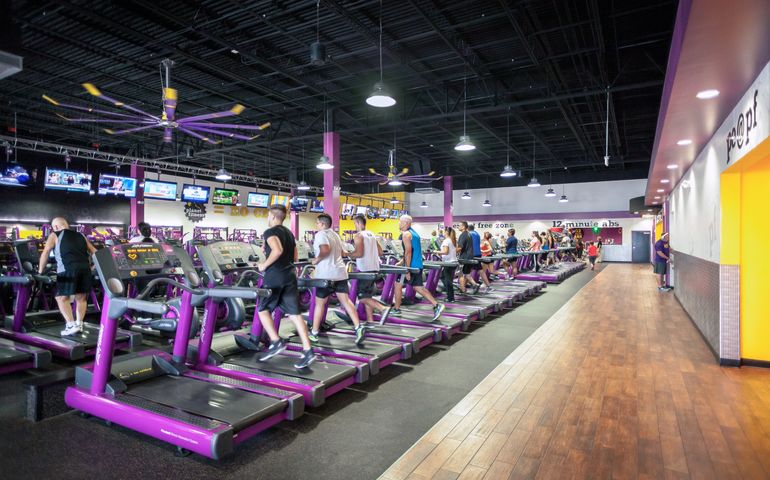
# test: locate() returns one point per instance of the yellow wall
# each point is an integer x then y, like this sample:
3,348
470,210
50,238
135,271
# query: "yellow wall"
658,230
375,225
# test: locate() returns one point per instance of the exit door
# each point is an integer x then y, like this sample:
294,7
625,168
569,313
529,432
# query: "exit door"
640,247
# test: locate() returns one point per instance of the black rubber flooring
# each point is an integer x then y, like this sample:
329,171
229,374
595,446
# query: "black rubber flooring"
357,434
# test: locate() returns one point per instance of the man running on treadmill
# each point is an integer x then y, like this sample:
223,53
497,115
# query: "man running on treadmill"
465,252
367,254
281,278
328,250
145,234
476,241
73,272
413,259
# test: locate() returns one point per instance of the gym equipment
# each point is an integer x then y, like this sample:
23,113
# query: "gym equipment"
153,392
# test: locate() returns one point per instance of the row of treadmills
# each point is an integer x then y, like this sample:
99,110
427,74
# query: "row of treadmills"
211,393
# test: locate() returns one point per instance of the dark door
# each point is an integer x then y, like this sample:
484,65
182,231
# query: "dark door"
640,247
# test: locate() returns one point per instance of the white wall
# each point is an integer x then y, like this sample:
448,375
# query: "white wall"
695,215
161,212
583,197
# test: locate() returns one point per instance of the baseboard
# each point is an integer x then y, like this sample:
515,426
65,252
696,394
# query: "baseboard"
729,362
755,363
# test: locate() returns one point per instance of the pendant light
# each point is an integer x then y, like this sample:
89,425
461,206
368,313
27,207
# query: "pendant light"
466,195
550,192
380,96
324,163
424,204
223,175
507,170
533,183
465,144
317,49
393,200
486,203
563,198
303,186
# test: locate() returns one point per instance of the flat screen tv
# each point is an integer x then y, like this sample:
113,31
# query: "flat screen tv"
258,200
372,212
69,180
224,196
159,190
395,213
299,204
116,185
348,209
195,193
15,175
384,213
361,210
281,200
317,206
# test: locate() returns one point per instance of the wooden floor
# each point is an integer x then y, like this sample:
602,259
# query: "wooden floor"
617,384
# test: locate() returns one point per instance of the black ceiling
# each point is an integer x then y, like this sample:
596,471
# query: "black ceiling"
543,65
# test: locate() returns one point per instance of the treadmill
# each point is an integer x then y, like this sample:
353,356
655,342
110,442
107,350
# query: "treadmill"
153,392
485,303
236,354
43,329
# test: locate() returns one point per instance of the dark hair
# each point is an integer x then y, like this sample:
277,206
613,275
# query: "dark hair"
279,211
464,224
326,219
144,229
471,227
511,231
450,233
358,218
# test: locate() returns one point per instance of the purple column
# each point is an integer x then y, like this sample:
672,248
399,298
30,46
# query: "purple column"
137,204
294,223
332,178
448,221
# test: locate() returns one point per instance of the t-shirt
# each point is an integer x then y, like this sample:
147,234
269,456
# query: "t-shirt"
141,239
71,251
535,245
452,255
476,239
282,271
332,267
466,246
511,244
662,247
593,251
370,262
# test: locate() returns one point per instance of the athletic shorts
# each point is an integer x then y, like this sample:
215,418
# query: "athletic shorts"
366,288
337,286
285,297
659,268
467,269
415,279
592,259
74,281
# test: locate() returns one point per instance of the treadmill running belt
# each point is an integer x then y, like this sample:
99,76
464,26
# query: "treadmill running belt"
88,338
328,373
10,355
348,344
235,407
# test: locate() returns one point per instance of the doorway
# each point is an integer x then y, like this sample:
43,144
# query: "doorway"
640,247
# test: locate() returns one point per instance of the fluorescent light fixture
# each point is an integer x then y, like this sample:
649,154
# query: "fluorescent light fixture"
393,200
508,172
486,203
664,180
706,94
465,144
657,197
324,163
550,193
303,186
466,195
563,199
380,97
660,190
533,183
684,141
672,166
223,175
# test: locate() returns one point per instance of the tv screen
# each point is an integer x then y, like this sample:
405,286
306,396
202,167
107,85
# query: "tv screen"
115,185
195,193
68,180
395,213
280,200
361,210
259,200
159,190
317,206
14,175
299,204
348,209
372,212
384,213
223,196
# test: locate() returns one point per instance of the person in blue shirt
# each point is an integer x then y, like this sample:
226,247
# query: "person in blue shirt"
660,263
512,247
410,239
476,239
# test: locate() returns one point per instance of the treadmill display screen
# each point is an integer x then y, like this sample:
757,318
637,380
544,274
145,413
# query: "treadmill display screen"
144,256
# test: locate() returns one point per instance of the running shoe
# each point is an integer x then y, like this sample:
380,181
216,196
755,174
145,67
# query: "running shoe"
395,311
313,338
307,358
489,289
476,288
70,329
385,313
274,349
370,325
438,310
360,335
79,326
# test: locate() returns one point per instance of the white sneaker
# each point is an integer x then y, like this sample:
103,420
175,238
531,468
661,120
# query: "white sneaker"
70,329
79,326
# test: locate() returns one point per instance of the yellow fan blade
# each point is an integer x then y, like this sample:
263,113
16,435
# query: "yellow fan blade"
50,100
404,170
91,88
371,170
237,109
265,125
109,131
62,116
431,173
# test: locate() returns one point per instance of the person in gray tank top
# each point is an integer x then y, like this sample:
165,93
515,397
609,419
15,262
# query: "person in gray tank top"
72,251
367,254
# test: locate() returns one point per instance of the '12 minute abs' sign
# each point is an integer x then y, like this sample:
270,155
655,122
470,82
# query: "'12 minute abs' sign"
739,134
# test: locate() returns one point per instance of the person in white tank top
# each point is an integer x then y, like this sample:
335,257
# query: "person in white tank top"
367,254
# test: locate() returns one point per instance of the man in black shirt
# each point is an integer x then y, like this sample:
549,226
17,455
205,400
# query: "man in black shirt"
281,278
465,252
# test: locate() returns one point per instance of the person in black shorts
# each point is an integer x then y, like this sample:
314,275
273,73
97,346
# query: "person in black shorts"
465,252
281,278
73,272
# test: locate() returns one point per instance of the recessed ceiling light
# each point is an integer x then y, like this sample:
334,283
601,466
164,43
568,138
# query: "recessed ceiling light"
672,166
665,180
684,141
660,190
706,94
657,197
234,51
655,202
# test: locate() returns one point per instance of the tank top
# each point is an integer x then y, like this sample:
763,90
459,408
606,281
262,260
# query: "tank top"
71,251
416,250
370,262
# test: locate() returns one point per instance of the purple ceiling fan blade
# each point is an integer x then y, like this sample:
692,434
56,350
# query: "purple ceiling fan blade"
104,120
167,134
90,88
130,130
221,133
236,110
87,109
198,135
224,125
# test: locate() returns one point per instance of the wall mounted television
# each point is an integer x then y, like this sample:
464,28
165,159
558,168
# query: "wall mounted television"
258,200
281,200
195,193
224,196
157,190
69,180
117,185
299,204
15,175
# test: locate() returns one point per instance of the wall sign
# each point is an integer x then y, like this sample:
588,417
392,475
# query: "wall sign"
739,135
195,212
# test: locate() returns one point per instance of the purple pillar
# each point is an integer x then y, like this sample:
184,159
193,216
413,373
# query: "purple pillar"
332,178
137,204
448,220
665,230
294,224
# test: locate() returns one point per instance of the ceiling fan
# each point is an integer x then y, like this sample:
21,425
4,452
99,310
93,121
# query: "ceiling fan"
139,120
394,177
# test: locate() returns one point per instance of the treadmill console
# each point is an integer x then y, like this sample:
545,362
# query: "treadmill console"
29,251
220,258
397,248
7,254
304,251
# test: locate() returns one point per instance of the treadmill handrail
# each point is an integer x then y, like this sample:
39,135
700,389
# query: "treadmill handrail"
363,275
16,279
150,286
467,261
248,293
